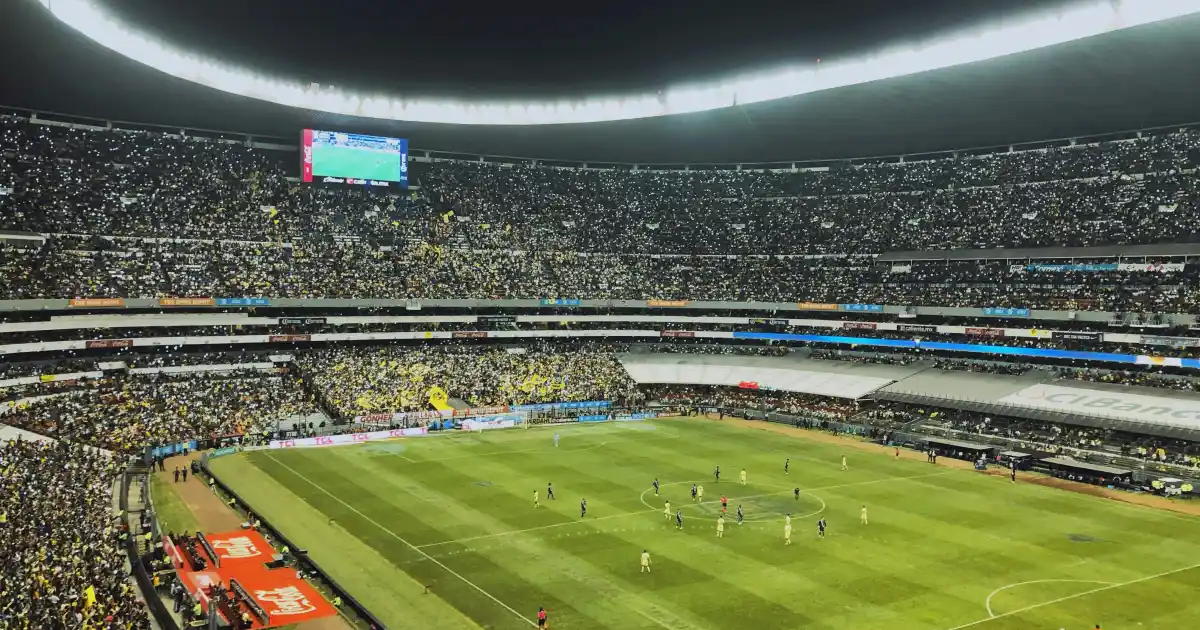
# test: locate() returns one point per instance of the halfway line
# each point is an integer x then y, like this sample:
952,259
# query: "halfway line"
688,505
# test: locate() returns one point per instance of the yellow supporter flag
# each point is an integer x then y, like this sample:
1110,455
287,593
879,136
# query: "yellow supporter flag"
89,597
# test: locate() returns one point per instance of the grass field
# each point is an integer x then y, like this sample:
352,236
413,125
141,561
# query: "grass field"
945,549
173,513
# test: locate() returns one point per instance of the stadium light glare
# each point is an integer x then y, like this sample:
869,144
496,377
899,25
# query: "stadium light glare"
1086,18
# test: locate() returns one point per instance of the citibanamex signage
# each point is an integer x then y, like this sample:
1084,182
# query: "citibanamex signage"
985,332
678,333
469,334
859,325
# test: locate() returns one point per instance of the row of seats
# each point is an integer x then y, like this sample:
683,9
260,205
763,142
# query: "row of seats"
66,268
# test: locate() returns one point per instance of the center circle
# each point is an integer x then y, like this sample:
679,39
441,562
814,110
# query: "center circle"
758,506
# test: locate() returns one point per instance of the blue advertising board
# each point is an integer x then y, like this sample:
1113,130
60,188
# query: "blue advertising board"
560,301
862,308
1001,311
593,418
243,302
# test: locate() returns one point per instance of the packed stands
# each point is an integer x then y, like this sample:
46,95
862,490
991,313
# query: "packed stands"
359,380
60,562
485,230
126,413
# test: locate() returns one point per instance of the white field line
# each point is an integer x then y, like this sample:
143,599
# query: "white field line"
405,542
988,602
1069,597
684,506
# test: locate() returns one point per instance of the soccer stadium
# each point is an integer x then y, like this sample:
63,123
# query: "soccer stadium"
385,317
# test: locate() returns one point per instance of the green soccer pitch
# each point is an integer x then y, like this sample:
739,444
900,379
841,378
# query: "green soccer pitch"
945,549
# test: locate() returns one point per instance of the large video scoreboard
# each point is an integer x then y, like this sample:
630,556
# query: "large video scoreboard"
337,157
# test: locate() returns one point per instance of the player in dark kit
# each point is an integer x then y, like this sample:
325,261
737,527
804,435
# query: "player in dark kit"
740,515
549,491
796,492
582,508
1012,471
717,474
693,492
656,486
786,463
821,528
678,519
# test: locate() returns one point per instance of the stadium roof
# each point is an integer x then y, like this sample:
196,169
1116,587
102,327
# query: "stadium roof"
1063,91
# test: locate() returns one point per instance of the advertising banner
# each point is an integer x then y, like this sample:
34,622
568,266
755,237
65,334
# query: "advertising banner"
1173,342
768,322
469,334
1003,311
96,303
591,404
288,338
349,438
859,325
1161,410
491,422
480,411
747,385
560,301
816,306
595,418
243,302
301,321
497,319
186,301
918,328
1073,267
667,302
643,415
678,333
863,308
985,332
1077,335
109,343
1151,267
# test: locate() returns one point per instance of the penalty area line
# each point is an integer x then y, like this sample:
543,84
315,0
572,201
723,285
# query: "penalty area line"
1101,589
404,542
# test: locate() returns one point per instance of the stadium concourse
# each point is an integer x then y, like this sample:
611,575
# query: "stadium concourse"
165,291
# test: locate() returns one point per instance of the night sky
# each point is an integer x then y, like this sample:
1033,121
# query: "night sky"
1138,78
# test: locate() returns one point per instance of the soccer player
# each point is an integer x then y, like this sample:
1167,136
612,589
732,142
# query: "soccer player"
1012,471
582,508
740,515
787,520
535,499
786,463
821,527
645,561
556,439
844,466
541,617
863,515
717,474
796,493
678,519
897,453
667,511
743,476
693,492
724,503
787,534
721,526
656,486
549,491
700,493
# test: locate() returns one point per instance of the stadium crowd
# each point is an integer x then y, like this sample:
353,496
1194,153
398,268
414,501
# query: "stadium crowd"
487,230
123,414
61,566
359,380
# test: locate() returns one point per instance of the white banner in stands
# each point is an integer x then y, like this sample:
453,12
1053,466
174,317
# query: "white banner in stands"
493,422
1109,404
349,438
